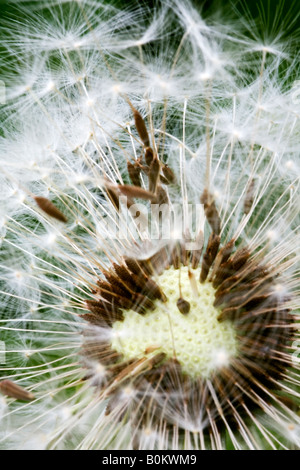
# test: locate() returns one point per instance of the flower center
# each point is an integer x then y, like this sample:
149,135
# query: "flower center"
199,342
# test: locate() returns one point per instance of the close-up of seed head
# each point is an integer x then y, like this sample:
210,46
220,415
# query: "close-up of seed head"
149,226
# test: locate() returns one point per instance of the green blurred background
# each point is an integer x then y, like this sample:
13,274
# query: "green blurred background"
274,15
279,9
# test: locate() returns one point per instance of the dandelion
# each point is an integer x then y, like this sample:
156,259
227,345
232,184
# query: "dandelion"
149,231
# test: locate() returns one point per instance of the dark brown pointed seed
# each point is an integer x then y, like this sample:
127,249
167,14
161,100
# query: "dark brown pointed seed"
183,306
254,272
221,258
231,266
115,281
131,298
136,192
230,282
124,274
105,311
94,319
240,258
11,389
154,174
134,266
169,174
213,217
106,287
96,306
249,196
209,255
246,289
259,300
149,155
138,281
176,257
211,212
116,299
49,208
141,127
222,273
134,172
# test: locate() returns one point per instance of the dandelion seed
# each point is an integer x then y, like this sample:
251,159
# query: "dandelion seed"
50,209
11,389
129,327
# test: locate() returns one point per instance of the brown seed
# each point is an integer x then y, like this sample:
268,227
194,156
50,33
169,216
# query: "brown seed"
104,310
134,172
124,274
110,292
149,155
176,257
213,218
133,266
221,258
136,192
169,174
154,174
50,209
141,127
11,389
231,266
211,212
94,319
183,306
115,281
240,258
209,255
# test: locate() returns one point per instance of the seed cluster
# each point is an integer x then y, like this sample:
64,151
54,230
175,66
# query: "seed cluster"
247,360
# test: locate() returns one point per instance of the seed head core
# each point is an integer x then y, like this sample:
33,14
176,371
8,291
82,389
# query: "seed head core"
199,342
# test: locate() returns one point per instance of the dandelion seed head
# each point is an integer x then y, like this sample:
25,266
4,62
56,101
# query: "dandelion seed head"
132,332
